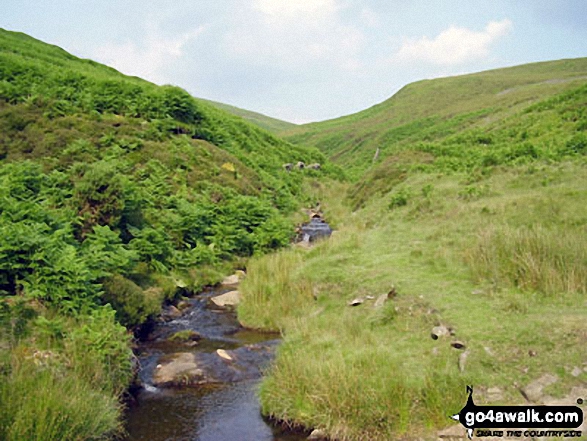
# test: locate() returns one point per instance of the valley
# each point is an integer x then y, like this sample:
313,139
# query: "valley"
457,257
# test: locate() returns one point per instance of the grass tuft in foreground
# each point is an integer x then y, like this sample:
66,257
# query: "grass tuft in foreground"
532,259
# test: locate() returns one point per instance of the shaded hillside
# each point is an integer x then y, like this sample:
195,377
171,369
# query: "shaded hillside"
481,113
116,195
265,122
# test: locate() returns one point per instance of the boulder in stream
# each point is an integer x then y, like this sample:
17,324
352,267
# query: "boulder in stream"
181,369
231,298
233,279
220,366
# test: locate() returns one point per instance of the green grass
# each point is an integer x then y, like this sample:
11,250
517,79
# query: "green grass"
272,125
114,193
453,255
42,404
485,118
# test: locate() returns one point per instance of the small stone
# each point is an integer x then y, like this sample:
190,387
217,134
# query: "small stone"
494,394
453,432
183,304
171,312
317,435
533,392
369,297
231,280
576,371
457,344
380,301
356,302
439,331
223,354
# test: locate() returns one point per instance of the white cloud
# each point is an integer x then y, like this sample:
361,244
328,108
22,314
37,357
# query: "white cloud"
294,35
370,18
454,45
280,9
148,59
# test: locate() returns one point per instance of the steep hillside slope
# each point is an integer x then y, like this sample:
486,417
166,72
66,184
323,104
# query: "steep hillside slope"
480,112
116,195
265,122
468,228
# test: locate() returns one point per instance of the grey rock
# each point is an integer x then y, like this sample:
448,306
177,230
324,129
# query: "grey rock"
457,344
494,394
463,360
356,302
231,298
439,331
380,301
181,369
534,391
317,435
455,432
233,279
170,313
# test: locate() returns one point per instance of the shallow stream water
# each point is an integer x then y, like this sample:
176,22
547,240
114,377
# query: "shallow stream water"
224,411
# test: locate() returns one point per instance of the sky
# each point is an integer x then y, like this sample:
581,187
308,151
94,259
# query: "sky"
304,60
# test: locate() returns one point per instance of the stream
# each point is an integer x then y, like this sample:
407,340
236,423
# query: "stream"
222,405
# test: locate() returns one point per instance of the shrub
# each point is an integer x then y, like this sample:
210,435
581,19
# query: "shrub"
399,198
129,301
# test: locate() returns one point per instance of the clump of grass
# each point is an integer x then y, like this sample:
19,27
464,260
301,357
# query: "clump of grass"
273,291
39,403
360,394
532,258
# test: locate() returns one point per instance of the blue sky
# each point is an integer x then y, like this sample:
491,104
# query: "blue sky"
304,60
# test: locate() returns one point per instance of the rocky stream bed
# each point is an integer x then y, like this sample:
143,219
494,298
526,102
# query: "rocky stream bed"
199,371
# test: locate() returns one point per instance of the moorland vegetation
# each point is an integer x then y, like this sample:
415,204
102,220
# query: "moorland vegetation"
116,196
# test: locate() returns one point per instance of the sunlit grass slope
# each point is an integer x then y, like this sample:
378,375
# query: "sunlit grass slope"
486,112
474,210
504,265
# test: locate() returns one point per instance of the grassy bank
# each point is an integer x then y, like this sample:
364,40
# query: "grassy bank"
500,260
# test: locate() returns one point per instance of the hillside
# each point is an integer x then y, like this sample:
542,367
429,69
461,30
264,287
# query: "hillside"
458,259
273,125
116,196
482,113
